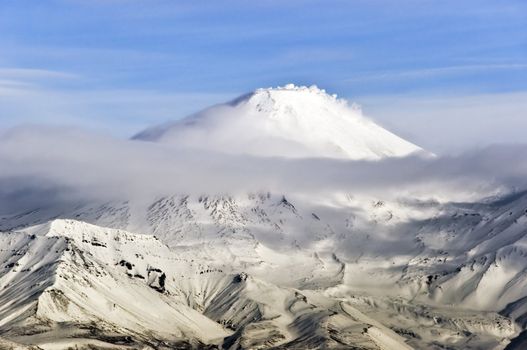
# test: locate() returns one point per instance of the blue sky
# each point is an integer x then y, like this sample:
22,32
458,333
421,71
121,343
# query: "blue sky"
416,66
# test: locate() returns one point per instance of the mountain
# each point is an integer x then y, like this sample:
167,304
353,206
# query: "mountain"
417,269
287,121
71,283
302,269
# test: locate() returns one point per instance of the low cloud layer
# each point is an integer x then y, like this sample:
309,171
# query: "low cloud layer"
452,123
44,165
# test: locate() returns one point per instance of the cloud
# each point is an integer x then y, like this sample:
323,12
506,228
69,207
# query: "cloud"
14,81
33,74
434,71
451,123
66,164
26,101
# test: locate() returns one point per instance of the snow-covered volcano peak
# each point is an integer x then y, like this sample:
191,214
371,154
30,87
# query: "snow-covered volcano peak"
295,91
289,95
289,121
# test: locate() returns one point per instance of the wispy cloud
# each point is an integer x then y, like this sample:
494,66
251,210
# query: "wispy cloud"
434,71
34,74
122,112
16,82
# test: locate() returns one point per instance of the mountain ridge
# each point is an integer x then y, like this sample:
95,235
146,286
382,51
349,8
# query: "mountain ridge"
230,238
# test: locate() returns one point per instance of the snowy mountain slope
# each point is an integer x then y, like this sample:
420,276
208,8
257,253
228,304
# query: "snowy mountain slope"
287,121
109,286
344,247
9,345
439,327
258,230
88,280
